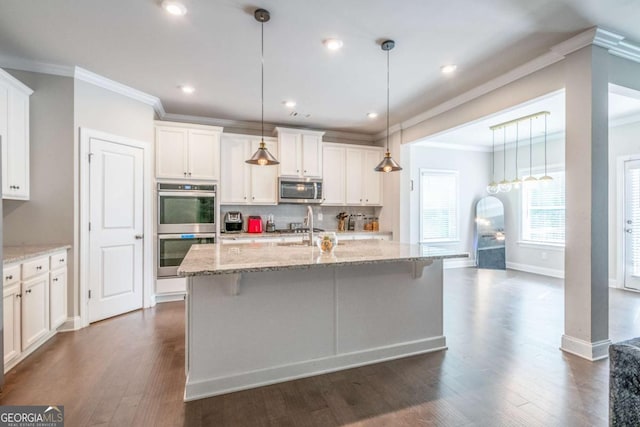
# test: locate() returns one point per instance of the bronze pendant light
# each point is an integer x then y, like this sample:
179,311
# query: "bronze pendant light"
388,164
262,156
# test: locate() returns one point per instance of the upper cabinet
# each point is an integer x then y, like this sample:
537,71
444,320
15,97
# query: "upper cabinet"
14,137
242,183
300,152
349,177
186,151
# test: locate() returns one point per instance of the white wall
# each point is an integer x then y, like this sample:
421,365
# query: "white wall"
473,167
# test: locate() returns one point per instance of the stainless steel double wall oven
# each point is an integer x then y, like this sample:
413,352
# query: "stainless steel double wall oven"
186,216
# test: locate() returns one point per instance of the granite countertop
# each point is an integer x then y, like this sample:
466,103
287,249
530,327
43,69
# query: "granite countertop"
301,235
12,254
241,258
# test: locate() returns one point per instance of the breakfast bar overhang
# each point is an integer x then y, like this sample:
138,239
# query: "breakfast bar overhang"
265,313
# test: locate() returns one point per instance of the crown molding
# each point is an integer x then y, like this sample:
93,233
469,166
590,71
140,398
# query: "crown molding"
615,44
36,67
15,82
119,88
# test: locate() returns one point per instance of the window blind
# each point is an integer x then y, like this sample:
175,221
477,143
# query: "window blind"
543,210
439,205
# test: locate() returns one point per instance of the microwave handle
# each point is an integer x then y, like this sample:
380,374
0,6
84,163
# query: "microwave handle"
179,236
315,191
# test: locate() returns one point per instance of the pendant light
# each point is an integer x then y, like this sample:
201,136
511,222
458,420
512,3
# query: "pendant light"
262,156
388,164
516,181
504,185
492,188
530,178
546,177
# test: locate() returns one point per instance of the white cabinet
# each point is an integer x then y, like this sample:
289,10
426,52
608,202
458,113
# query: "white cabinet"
186,151
35,304
334,172
300,152
12,304
35,309
349,177
58,297
14,135
242,183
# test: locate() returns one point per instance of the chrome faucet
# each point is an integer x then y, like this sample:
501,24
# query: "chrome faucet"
309,221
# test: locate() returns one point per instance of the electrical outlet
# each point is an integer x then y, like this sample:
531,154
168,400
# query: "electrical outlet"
320,216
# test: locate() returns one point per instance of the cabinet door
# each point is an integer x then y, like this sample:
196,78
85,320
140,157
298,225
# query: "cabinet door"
58,298
4,129
290,156
171,152
355,160
11,315
18,146
334,175
234,181
204,155
372,191
35,309
264,179
311,155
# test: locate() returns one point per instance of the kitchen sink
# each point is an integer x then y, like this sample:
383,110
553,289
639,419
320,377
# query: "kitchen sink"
292,244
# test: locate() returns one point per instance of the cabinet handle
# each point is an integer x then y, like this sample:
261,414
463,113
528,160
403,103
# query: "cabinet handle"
61,259
297,170
185,174
253,198
360,199
55,279
189,173
28,291
17,187
39,267
305,171
18,295
245,197
9,277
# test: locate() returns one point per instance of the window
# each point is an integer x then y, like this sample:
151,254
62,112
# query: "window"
543,210
438,205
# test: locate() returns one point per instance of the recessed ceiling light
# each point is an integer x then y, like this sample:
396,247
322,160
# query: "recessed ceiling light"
333,44
372,115
187,89
289,104
448,69
174,7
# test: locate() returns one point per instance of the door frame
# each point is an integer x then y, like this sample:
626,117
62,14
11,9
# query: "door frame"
147,248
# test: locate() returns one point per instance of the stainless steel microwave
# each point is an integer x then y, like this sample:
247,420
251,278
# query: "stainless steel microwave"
302,190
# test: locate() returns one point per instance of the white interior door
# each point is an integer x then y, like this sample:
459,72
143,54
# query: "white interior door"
632,224
116,183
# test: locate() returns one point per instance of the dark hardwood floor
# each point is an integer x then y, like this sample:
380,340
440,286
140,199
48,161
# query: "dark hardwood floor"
502,368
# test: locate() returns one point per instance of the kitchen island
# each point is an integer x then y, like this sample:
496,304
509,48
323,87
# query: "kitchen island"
266,312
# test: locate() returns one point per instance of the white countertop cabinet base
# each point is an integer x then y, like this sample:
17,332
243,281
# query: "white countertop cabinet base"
252,329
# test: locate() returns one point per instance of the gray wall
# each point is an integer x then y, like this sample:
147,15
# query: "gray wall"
473,167
48,216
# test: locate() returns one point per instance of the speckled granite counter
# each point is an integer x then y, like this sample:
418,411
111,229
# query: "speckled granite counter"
347,234
15,254
230,258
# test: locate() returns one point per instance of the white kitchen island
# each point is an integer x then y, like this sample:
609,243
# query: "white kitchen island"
264,313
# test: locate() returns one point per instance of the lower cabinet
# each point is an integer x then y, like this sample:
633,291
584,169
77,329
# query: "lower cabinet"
12,306
34,304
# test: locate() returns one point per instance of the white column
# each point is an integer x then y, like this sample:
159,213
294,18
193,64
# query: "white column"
586,324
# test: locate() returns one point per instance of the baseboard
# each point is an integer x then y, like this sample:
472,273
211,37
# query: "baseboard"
528,268
246,380
170,298
72,324
459,263
587,350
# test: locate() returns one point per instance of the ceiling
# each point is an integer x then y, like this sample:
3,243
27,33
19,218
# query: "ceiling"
216,48
624,106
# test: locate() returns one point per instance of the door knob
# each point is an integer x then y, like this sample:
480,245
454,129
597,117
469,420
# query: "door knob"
139,236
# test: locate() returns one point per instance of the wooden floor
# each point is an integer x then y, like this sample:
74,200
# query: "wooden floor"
502,368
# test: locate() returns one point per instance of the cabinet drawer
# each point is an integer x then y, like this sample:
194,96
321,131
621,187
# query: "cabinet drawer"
11,275
58,260
33,268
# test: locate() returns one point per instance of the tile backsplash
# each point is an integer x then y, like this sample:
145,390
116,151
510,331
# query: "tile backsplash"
285,214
